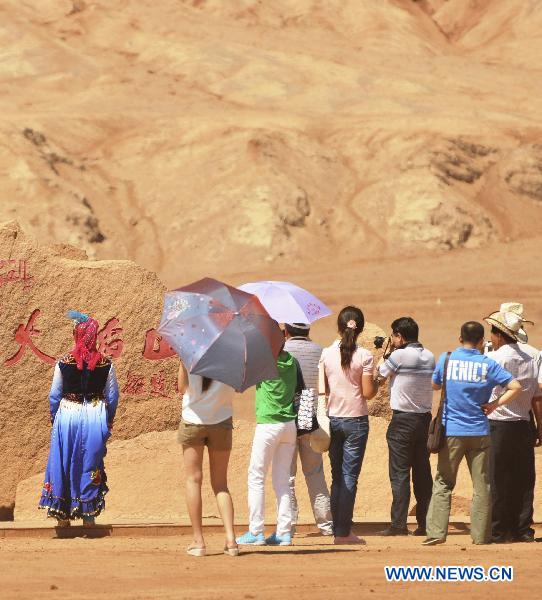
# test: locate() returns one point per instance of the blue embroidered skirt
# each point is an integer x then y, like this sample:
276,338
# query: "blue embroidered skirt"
75,480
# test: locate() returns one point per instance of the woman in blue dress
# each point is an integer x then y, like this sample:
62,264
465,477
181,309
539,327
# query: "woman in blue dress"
83,400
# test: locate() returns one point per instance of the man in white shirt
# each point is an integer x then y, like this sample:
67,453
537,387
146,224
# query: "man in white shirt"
410,368
513,430
308,355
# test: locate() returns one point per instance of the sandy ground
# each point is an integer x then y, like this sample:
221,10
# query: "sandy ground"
144,568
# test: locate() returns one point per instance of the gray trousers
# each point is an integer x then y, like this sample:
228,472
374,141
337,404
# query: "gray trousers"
476,450
312,465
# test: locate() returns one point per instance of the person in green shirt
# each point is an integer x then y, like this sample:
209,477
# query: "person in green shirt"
275,397
274,442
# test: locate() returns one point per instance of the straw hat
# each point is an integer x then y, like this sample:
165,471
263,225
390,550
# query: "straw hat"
509,319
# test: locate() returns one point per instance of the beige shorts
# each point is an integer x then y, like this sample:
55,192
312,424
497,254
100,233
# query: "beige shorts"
215,437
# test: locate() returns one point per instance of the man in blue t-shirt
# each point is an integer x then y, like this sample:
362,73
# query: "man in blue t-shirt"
470,379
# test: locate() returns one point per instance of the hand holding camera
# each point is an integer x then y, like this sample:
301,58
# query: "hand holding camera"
382,342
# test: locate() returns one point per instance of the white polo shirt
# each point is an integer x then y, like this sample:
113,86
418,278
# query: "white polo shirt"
523,361
410,370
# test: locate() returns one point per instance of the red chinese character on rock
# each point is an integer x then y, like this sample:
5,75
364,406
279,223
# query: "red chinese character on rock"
23,336
135,384
109,340
158,385
155,347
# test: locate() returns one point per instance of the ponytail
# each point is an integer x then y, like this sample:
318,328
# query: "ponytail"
350,323
348,347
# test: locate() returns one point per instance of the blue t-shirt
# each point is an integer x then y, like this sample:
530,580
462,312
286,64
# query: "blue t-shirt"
470,380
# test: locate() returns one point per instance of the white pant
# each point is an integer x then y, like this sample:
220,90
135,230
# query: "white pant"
273,442
313,469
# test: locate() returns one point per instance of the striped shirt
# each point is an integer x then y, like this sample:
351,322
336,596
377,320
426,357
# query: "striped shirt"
523,361
308,355
410,370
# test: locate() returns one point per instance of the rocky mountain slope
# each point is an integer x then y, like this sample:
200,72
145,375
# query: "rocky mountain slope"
222,136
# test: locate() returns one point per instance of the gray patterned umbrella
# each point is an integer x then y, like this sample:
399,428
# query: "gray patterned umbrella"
222,333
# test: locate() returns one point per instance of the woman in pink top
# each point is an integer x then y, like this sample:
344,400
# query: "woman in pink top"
348,372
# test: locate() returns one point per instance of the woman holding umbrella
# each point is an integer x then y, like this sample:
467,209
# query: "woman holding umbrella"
227,342
206,421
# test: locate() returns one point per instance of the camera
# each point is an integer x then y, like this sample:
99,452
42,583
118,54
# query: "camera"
385,343
379,341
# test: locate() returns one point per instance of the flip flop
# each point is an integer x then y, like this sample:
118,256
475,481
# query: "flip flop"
231,551
63,523
196,551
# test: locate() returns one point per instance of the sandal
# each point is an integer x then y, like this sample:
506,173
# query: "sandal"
196,551
63,523
89,522
231,550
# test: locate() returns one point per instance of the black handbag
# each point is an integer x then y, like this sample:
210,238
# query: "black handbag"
305,401
437,433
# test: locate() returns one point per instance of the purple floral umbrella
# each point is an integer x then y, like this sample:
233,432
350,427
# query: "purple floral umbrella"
222,333
287,302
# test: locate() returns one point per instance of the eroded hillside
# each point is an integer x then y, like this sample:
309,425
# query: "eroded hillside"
222,136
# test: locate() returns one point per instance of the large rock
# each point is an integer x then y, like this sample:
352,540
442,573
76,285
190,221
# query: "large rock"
37,287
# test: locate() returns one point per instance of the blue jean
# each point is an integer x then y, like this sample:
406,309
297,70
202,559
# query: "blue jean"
346,451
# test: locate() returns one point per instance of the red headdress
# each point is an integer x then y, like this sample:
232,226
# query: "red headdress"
86,335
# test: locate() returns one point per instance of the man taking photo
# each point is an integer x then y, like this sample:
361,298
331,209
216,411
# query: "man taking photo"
410,368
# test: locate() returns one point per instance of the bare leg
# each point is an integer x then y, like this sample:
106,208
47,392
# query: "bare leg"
193,461
218,465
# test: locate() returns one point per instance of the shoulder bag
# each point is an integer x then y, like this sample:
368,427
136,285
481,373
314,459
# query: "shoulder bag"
321,438
437,433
